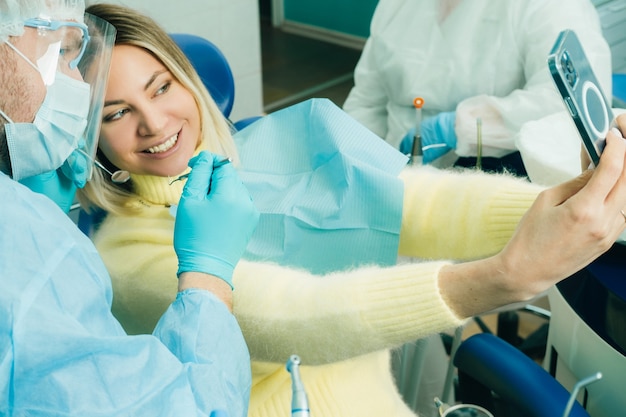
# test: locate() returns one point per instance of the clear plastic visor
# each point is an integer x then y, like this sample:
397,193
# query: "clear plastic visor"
83,52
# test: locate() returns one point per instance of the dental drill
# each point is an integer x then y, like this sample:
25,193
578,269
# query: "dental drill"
299,400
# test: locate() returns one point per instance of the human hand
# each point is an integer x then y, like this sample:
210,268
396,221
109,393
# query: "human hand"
214,220
585,160
570,225
438,137
76,167
55,185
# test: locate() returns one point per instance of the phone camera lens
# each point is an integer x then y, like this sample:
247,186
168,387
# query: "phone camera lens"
570,71
571,79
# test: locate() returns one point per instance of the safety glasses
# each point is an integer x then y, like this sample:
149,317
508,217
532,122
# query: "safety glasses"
72,53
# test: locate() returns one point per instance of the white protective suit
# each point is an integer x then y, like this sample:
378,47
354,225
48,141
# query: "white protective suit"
486,59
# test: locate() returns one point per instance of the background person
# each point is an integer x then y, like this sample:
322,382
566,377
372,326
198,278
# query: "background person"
63,352
468,59
158,114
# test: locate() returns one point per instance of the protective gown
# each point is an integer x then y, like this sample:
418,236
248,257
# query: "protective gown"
62,353
487,59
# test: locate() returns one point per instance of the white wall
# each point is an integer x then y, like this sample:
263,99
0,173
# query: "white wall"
233,25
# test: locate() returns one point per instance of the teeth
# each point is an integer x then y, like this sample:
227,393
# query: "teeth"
164,146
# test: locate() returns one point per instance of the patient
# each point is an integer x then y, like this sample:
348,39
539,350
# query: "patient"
157,115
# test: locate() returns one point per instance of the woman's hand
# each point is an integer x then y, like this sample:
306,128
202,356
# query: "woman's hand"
572,224
567,227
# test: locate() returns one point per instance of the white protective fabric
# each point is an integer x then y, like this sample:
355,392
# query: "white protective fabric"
62,353
13,13
486,59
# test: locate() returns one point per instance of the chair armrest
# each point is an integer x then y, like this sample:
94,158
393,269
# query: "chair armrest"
514,377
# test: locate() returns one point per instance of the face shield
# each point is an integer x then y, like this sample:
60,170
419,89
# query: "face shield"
72,57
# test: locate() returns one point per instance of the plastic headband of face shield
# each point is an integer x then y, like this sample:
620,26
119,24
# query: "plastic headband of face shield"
74,54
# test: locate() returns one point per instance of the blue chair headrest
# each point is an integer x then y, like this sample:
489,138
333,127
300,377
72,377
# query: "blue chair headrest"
212,67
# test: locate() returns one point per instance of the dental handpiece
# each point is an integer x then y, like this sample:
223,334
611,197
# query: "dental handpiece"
416,149
299,400
479,143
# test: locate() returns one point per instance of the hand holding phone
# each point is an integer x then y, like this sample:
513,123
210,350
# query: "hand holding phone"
581,92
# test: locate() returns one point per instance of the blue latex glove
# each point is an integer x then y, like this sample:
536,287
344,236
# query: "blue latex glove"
54,185
214,220
438,137
75,168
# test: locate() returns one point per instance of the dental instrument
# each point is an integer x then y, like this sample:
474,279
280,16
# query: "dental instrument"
479,143
215,165
461,410
299,400
580,384
118,177
416,149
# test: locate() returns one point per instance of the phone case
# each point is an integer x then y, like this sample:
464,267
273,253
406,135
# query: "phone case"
581,92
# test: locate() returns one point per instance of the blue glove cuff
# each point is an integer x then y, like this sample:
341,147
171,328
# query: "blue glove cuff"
438,136
207,264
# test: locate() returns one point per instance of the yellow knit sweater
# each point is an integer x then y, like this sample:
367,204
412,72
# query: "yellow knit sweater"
342,325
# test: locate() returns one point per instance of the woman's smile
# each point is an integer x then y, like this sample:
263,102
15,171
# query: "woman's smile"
163,147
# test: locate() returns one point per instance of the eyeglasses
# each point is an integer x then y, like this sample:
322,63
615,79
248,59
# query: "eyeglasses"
69,53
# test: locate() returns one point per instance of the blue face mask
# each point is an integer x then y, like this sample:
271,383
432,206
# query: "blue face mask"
44,145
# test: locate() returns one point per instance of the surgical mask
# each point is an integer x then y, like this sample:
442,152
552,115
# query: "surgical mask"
44,145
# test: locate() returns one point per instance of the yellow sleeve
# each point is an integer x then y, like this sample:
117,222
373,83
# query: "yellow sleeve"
337,316
460,215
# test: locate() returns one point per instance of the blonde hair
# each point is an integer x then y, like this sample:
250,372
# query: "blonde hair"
134,28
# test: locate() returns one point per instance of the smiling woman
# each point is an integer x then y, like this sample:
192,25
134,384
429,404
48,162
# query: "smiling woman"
150,122
154,107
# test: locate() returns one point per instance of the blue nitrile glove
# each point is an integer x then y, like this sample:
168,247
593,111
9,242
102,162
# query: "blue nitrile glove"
214,220
75,168
438,137
55,185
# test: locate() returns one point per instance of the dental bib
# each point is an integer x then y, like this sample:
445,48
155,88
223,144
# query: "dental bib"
327,189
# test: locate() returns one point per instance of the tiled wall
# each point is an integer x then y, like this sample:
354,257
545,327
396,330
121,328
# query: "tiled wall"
233,25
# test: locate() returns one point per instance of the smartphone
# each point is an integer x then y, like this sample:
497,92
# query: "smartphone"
581,92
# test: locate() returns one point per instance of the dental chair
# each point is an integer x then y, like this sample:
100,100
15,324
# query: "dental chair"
513,385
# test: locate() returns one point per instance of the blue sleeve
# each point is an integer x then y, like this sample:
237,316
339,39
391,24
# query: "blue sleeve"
202,333
62,353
